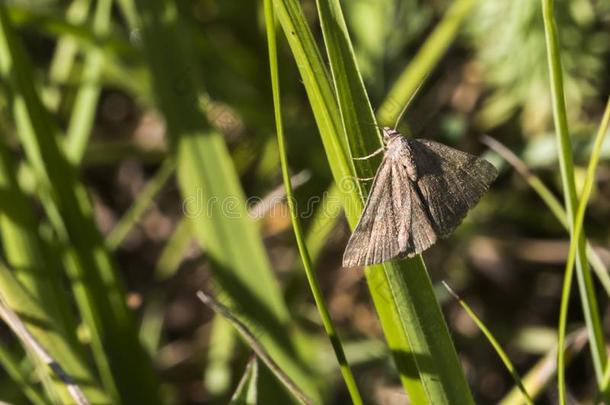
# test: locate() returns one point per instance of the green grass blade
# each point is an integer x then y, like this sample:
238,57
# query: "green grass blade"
496,345
23,381
246,392
574,244
85,103
120,358
145,198
585,284
402,293
64,55
329,327
213,198
359,125
424,62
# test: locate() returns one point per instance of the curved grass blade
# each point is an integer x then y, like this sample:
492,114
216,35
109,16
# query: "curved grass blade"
574,244
564,146
496,345
346,371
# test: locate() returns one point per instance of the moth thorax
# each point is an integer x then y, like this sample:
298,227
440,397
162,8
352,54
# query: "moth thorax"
389,134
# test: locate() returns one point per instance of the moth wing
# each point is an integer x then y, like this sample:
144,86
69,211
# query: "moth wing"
393,222
450,181
415,231
374,239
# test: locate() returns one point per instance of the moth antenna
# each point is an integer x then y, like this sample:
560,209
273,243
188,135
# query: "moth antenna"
409,101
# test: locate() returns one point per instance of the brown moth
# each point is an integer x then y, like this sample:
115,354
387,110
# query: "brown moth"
422,191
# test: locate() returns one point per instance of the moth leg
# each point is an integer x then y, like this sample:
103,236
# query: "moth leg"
363,178
378,151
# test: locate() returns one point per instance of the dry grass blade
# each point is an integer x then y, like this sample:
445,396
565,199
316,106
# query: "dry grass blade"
252,341
13,321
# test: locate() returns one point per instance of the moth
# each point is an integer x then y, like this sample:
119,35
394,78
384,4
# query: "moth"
421,192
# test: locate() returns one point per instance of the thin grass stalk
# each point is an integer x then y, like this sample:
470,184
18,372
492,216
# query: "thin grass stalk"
255,345
64,55
587,292
85,104
496,345
576,233
329,327
135,212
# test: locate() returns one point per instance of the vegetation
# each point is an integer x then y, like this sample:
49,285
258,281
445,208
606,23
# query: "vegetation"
178,184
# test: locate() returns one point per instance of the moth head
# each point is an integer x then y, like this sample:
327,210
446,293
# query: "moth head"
389,134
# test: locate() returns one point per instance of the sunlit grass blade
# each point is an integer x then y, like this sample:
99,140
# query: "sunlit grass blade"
564,145
64,56
213,199
403,290
120,358
424,61
246,392
576,233
135,212
85,103
254,344
551,202
223,343
314,286
544,371
496,345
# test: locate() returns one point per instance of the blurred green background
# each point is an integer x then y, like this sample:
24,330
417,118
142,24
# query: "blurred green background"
505,260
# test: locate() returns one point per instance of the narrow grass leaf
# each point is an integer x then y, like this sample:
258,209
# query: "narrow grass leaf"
246,392
314,286
574,244
139,207
64,56
587,293
87,96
